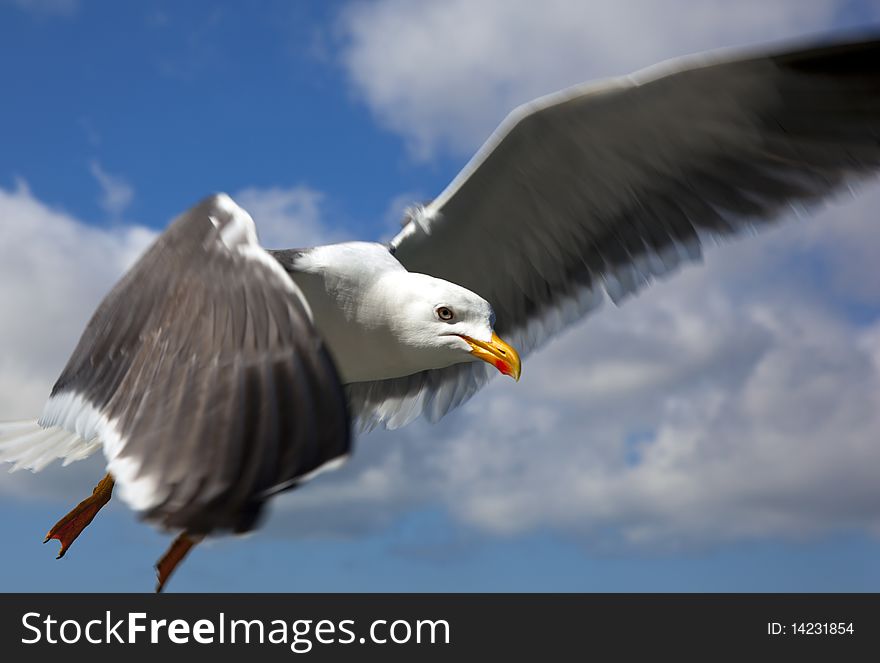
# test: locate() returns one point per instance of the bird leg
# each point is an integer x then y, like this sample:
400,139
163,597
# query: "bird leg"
71,526
173,557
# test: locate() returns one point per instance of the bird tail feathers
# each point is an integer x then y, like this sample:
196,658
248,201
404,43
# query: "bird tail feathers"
28,445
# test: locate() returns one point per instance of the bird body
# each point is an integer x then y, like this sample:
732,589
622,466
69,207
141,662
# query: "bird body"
377,318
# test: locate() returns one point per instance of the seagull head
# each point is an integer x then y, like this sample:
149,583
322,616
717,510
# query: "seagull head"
450,324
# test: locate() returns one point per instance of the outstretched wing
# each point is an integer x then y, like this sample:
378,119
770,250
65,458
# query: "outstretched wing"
600,188
204,379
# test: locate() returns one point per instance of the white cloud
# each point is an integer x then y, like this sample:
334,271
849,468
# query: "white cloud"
286,218
116,192
54,269
770,435
443,73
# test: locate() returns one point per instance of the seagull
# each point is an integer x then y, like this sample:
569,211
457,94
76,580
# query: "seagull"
217,374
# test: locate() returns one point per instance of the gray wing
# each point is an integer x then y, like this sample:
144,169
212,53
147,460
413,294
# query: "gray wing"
208,385
600,188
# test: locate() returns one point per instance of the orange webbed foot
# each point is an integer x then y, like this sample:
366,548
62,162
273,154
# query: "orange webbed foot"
72,525
173,557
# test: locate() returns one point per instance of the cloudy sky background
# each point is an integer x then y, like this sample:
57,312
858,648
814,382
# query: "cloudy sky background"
717,432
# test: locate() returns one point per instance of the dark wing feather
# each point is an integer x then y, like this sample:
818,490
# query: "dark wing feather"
205,360
600,188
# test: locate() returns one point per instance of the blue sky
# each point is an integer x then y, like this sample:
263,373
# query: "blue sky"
718,432
189,98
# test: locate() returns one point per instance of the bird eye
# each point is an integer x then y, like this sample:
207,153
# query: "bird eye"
444,313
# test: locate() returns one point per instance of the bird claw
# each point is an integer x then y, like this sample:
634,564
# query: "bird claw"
173,557
77,519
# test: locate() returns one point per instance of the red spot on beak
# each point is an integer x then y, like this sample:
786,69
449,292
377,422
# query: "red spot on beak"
503,366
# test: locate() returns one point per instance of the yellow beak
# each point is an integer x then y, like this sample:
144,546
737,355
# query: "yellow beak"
498,353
